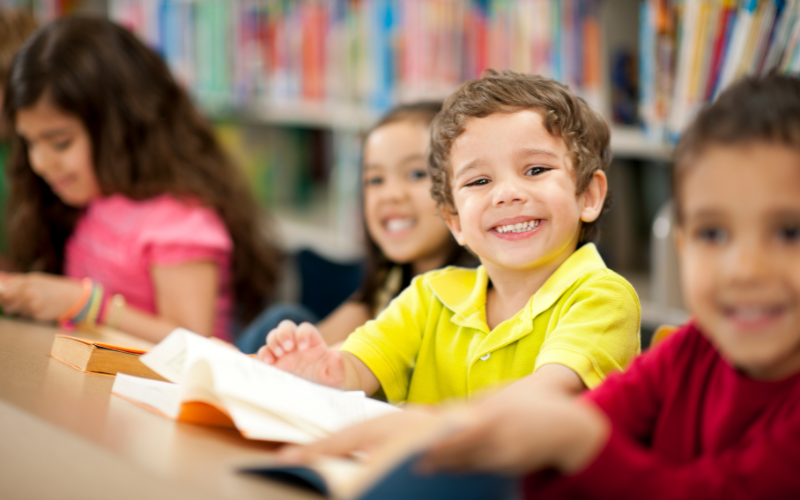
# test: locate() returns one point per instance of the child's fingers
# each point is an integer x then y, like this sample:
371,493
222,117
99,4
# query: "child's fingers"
281,339
265,355
273,345
295,455
285,335
341,444
307,336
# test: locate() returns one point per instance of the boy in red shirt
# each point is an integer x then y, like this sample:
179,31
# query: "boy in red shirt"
714,410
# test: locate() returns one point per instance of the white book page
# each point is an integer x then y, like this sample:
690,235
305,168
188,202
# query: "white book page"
256,423
305,404
159,395
252,421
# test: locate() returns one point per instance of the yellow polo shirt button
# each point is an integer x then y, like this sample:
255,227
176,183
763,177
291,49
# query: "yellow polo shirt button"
486,356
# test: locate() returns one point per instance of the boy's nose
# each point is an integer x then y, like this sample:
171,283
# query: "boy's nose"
508,192
748,263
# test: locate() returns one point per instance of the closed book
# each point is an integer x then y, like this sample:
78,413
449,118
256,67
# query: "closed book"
100,357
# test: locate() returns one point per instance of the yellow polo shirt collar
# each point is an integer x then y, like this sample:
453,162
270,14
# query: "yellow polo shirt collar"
463,291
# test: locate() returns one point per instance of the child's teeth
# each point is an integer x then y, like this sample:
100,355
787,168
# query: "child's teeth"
518,228
393,225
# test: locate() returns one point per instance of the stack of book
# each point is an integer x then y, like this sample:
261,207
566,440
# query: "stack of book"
690,50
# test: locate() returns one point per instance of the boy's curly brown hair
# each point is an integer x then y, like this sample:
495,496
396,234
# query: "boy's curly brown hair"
566,115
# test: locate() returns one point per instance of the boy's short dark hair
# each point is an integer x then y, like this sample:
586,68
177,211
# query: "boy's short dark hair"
755,109
566,115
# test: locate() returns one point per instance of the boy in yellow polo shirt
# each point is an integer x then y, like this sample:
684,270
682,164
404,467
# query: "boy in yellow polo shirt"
518,169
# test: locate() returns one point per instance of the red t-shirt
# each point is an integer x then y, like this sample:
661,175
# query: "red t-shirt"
686,424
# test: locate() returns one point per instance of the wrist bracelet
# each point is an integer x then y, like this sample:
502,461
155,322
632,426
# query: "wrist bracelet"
90,320
89,313
76,308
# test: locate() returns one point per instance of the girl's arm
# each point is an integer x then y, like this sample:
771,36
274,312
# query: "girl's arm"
185,297
343,321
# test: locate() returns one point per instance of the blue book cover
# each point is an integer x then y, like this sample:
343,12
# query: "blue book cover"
404,482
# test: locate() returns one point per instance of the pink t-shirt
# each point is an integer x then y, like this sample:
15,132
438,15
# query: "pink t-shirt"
117,240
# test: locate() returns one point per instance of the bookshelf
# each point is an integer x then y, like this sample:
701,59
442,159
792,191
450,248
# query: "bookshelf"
282,69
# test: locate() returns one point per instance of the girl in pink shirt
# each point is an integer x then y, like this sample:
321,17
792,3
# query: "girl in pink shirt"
118,185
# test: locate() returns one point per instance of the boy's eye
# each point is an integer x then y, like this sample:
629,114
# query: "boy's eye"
62,145
789,233
373,181
536,170
712,234
479,182
416,175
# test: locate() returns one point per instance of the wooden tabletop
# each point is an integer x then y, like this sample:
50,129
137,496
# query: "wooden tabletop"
63,435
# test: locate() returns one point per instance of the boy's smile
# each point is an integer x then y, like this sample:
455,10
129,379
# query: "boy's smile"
740,247
514,190
516,228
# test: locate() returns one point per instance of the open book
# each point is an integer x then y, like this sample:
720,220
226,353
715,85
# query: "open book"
100,357
392,474
216,385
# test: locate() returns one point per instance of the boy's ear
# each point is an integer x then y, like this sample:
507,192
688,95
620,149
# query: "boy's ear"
454,225
594,196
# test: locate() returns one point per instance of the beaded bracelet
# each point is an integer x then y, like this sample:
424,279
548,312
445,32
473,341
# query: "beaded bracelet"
78,306
93,313
89,313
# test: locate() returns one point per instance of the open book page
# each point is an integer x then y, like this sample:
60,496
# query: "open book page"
253,422
160,396
175,402
314,408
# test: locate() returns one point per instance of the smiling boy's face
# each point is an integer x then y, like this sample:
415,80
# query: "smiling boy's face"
514,191
740,254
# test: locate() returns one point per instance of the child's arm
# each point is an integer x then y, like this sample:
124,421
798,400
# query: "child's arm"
185,297
43,297
535,432
343,321
300,350
529,434
551,378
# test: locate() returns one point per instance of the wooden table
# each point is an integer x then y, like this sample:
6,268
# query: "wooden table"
63,435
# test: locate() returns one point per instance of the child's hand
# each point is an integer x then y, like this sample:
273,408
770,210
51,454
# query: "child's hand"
43,297
522,436
364,438
301,351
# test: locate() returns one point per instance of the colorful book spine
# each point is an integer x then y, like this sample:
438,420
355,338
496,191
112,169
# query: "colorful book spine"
719,41
362,53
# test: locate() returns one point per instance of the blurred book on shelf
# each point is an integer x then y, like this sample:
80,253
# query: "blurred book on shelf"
691,50
365,53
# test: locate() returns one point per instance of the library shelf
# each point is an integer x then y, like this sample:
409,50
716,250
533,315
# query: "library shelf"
631,142
317,231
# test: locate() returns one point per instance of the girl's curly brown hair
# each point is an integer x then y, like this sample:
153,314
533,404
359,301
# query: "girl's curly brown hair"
148,139
565,115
